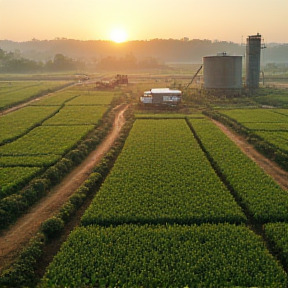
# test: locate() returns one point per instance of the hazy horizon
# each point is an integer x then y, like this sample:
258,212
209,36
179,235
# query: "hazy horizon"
223,20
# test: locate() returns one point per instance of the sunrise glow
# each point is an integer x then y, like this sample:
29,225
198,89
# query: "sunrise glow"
118,35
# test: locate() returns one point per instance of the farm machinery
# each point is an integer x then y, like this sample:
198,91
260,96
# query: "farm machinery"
119,80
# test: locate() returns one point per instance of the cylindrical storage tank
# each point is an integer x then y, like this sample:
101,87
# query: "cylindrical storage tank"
222,72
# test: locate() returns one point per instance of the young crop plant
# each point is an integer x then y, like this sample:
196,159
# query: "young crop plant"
57,98
255,116
257,192
92,98
277,236
162,176
29,161
16,123
77,115
26,92
12,177
45,140
221,255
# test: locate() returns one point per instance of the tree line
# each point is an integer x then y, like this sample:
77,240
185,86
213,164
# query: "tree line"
13,62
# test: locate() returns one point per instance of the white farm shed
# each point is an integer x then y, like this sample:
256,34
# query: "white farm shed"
161,96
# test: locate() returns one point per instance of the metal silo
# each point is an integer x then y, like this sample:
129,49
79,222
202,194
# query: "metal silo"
253,49
222,72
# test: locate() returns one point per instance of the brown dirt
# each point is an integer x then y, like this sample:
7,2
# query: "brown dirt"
14,239
271,168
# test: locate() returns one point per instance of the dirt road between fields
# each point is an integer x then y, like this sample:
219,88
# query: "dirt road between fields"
13,239
271,168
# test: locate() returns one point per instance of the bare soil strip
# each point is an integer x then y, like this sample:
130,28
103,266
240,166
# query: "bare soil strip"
271,168
13,239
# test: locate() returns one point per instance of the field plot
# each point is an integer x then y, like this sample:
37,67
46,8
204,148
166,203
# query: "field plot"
279,99
45,140
277,235
166,115
261,196
271,125
244,116
23,92
42,143
77,115
277,138
20,121
13,176
93,98
162,176
222,255
57,98
29,161
146,115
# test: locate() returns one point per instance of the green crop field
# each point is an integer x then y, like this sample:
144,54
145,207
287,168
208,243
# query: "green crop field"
14,176
57,98
23,92
208,255
19,122
162,175
253,187
45,140
77,115
270,124
36,143
93,98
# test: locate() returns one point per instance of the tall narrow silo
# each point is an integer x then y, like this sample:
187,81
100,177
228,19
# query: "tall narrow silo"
253,49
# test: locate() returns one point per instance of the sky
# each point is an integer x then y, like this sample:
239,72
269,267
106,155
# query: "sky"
222,20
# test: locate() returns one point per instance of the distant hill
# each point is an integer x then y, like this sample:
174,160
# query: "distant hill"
165,50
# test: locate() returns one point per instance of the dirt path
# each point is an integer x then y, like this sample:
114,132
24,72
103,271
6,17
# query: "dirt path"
13,239
278,174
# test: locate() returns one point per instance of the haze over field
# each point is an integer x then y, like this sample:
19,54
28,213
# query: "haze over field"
224,20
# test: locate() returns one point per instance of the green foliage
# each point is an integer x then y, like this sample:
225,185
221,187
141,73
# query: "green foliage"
29,161
13,178
277,236
15,124
77,115
257,191
52,227
162,176
47,140
220,255
92,98
17,93
21,273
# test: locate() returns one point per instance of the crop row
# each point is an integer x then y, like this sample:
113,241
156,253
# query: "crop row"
17,96
56,99
258,192
45,140
256,115
77,115
277,138
17,123
11,177
277,236
162,175
208,255
29,161
92,98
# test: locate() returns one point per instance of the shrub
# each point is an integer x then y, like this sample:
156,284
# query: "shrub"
52,227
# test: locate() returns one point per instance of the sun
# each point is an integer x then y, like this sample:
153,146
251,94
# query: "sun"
118,35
